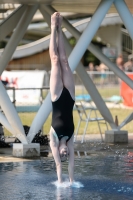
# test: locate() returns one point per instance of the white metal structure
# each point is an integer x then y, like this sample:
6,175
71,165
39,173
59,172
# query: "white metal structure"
20,24
85,115
111,20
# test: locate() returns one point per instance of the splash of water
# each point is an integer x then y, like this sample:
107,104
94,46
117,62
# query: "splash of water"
67,184
77,185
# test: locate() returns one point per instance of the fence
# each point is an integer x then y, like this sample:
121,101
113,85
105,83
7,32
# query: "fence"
99,78
107,84
103,81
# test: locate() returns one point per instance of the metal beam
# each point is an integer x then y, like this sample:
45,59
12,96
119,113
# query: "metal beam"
88,83
125,15
46,107
6,124
45,14
111,65
94,50
17,36
11,115
89,33
5,102
11,21
40,118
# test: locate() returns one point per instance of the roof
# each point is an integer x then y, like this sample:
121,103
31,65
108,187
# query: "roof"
77,6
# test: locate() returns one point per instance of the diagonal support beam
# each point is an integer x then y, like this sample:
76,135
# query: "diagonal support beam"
11,115
88,83
125,15
93,49
5,102
78,51
46,106
89,33
40,118
6,124
45,14
11,21
126,121
17,36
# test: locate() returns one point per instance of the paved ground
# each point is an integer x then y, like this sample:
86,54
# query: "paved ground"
91,145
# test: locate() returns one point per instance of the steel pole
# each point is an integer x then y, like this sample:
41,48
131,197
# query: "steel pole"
11,115
17,36
125,15
88,83
89,33
78,51
11,21
94,50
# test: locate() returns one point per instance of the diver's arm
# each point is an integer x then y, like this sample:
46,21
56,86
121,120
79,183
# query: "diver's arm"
54,143
70,146
56,156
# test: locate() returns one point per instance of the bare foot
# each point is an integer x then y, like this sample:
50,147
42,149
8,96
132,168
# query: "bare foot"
54,20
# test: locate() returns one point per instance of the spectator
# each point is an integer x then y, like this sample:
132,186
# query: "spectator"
120,62
91,69
103,69
129,64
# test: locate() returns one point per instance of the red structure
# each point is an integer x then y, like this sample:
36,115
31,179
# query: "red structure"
127,93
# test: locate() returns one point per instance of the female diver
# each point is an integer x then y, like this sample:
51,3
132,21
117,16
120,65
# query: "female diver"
62,91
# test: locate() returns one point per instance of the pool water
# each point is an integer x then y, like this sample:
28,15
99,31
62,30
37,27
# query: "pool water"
97,177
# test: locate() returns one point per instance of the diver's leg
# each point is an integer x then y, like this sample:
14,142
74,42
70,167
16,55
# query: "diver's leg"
56,84
67,76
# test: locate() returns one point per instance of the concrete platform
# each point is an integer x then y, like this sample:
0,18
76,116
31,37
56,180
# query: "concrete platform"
26,150
91,145
116,136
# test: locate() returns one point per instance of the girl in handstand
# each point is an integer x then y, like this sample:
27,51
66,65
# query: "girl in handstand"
62,95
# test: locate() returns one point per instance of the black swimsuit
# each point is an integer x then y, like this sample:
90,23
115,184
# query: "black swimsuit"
62,117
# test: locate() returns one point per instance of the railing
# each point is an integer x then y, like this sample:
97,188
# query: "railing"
102,80
14,90
106,79
27,110
107,84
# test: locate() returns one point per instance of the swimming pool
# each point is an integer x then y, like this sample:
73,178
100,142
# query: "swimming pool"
98,177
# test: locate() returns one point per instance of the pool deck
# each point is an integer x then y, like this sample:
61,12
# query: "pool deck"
91,145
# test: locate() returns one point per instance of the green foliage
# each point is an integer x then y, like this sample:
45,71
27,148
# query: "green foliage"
72,41
2,44
89,57
27,118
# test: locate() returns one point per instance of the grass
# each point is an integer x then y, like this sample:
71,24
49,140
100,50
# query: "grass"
104,92
27,118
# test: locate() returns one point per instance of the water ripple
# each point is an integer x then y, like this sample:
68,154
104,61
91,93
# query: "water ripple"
104,176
